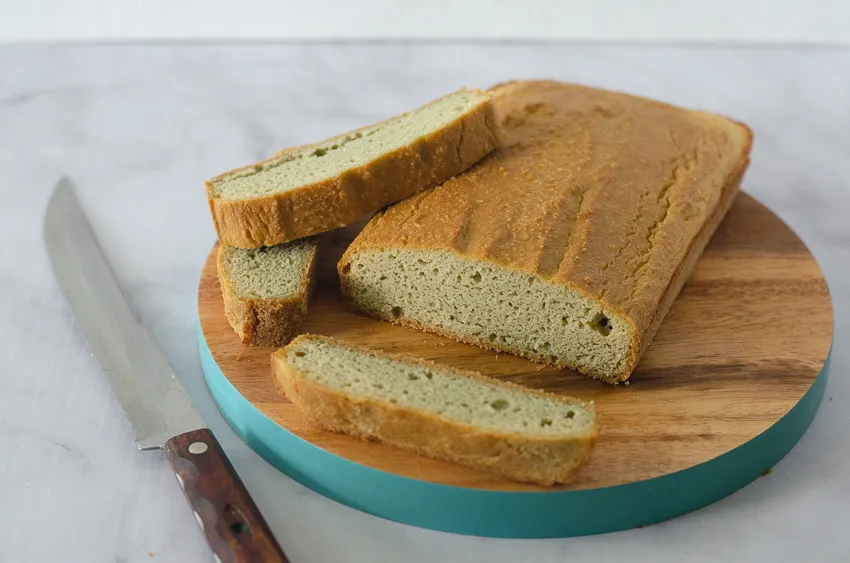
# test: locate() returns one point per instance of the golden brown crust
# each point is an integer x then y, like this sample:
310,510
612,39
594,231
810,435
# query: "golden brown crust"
267,322
542,460
698,244
612,195
326,205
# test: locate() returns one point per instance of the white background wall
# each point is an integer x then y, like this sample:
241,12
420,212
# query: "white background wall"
757,21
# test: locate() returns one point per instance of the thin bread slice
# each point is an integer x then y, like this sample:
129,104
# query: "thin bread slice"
436,411
315,188
569,243
266,290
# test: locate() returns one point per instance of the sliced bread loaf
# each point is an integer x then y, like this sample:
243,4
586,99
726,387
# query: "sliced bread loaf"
570,242
266,290
436,411
315,188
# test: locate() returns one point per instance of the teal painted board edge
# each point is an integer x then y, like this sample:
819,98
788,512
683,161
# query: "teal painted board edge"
508,514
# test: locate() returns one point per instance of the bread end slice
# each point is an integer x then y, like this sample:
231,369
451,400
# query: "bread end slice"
312,189
436,411
266,290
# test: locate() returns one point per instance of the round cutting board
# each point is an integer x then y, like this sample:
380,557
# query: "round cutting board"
730,383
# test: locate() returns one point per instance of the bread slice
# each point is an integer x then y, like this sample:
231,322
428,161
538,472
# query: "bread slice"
315,188
266,290
570,242
436,411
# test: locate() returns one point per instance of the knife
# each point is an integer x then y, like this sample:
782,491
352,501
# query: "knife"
154,401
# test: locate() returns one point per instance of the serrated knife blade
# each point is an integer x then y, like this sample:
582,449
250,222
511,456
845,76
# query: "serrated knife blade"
152,397
154,401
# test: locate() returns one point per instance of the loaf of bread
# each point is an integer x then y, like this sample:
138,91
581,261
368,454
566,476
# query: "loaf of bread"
266,290
436,411
569,243
312,189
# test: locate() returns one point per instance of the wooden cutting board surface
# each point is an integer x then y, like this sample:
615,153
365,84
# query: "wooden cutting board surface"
742,344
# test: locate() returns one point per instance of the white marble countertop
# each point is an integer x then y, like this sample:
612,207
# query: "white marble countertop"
141,127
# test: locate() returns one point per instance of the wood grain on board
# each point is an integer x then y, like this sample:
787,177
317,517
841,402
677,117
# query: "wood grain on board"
743,342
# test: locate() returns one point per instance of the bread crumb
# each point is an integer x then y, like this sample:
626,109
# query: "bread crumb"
329,364
766,472
628,382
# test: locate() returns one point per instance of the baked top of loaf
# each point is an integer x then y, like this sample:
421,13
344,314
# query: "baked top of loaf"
291,169
436,410
600,191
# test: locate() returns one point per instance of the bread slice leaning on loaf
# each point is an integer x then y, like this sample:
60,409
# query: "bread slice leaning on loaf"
459,416
570,242
315,188
266,290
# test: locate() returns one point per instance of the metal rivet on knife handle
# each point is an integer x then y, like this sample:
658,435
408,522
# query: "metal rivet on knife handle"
197,448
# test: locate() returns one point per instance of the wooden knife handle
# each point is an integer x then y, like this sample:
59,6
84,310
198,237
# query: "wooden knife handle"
235,529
